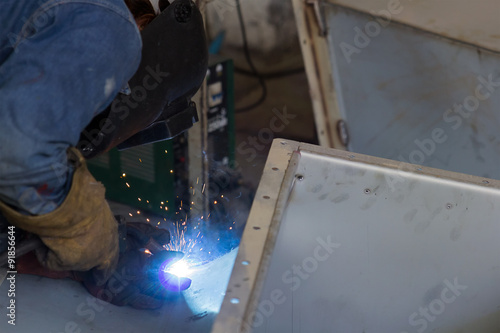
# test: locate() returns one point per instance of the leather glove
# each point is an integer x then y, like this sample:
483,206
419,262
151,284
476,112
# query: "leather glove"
140,280
82,233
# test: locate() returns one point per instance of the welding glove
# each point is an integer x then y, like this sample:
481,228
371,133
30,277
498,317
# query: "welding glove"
140,280
81,234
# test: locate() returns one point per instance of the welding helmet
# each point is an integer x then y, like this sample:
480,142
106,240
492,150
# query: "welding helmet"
173,65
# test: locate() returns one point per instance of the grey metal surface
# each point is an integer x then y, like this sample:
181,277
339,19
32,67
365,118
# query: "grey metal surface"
55,306
473,22
365,245
410,95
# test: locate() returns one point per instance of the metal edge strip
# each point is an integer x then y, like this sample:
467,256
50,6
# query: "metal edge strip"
258,239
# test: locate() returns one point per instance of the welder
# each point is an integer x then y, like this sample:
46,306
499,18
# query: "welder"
66,67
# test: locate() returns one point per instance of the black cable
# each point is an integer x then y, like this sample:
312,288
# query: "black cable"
272,75
250,63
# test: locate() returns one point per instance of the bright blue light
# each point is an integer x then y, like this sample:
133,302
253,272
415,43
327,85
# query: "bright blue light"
175,280
210,281
180,269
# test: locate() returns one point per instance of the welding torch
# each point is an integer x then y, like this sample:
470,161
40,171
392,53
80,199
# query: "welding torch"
135,237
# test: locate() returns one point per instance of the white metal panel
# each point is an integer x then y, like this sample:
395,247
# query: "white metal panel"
413,97
475,22
363,244
416,81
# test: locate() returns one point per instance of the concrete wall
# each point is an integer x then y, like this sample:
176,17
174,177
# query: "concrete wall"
270,24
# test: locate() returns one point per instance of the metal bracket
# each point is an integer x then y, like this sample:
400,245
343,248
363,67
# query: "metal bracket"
343,132
319,16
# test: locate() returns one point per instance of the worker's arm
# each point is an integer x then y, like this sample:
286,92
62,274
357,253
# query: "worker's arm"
57,77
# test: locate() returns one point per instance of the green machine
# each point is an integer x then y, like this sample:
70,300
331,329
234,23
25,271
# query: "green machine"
159,177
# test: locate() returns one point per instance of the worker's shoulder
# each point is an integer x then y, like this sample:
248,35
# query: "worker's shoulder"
109,7
96,22
22,19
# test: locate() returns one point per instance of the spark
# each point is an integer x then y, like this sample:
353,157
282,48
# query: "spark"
197,180
166,152
138,212
140,160
215,202
230,228
147,201
147,251
124,174
222,195
128,185
171,171
203,189
166,208
139,199
179,241
130,214
162,203
147,220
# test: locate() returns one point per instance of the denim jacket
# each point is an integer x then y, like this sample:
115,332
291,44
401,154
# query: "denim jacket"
61,63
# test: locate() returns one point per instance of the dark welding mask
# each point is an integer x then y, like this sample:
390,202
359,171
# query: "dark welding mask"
158,106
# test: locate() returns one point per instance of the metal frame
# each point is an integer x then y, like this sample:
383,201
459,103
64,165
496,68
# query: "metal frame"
258,238
426,16
319,72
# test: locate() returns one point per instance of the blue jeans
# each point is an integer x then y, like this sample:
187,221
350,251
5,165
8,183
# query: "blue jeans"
61,63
